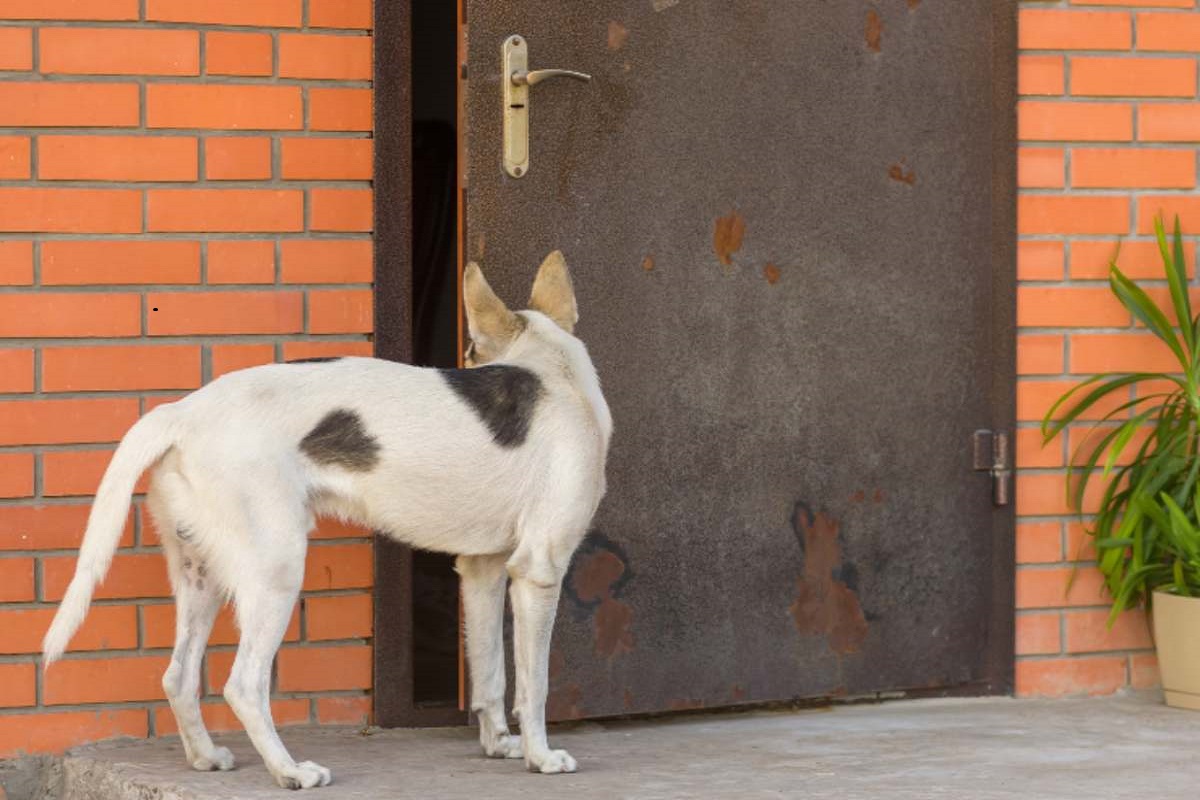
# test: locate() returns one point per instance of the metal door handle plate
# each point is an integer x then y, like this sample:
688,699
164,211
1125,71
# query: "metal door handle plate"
515,56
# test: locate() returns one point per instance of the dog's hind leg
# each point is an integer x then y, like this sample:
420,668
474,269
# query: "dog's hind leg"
536,584
267,588
197,601
483,582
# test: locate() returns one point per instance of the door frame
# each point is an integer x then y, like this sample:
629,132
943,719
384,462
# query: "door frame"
393,625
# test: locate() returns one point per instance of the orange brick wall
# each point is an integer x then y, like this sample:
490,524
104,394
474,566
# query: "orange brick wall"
184,191
1108,124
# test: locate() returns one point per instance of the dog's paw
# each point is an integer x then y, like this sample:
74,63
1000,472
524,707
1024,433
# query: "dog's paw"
305,775
220,758
505,746
551,762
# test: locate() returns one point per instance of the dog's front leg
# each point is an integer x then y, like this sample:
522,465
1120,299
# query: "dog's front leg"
483,582
534,605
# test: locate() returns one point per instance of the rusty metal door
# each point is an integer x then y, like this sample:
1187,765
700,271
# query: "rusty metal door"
791,230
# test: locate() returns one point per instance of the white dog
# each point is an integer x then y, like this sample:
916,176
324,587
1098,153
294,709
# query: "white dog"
502,465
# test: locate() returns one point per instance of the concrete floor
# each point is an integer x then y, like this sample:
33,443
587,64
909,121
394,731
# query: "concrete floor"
981,749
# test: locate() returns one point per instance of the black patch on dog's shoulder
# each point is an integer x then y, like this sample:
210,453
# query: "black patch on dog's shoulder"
314,360
340,438
503,396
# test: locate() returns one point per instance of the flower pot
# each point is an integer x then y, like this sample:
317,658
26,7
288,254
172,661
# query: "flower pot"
1177,639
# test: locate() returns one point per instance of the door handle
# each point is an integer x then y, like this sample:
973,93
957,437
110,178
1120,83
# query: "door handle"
515,54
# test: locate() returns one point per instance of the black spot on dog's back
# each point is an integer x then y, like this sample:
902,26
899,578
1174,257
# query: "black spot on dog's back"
314,360
341,439
504,397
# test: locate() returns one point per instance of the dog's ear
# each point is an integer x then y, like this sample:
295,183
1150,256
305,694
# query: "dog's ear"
492,326
553,294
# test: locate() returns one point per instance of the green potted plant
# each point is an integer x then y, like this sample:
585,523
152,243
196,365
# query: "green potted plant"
1147,528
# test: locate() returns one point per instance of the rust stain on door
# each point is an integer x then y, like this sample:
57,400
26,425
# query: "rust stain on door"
825,603
771,273
727,236
597,575
874,32
898,172
617,34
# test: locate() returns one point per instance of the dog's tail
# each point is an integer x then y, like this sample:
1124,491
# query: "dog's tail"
145,443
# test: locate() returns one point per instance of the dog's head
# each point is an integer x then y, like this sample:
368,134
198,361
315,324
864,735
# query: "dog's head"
494,328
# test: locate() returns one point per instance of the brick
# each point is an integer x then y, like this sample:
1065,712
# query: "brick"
327,260
1055,587
228,53
241,261
341,209
62,104
340,14
1031,453
237,158
217,666
118,51
16,370
1039,542
1088,632
1052,306
1119,352
220,718
1080,543
324,56
16,263
1137,259
223,106
109,261
340,311
131,575
120,368
340,109
1045,494
1083,440
197,313
318,669
1062,677
339,566
1040,354
117,158
295,350
1054,29
18,685
1133,169
1169,122
1105,76
48,527
114,679
339,617
1038,634
14,156
77,473
16,475
344,710
1168,32
327,159
152,402
1143,671
56,731
53,314
104,628
1141,3
1187,207
1034,399
1040,261
16,580
230,357
1083,122
16,49
224,210
93,10
260,13
1066,214
330,528
1041,168
159,627
76,421
70,210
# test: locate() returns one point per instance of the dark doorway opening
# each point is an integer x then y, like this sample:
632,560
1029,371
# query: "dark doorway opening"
434,76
